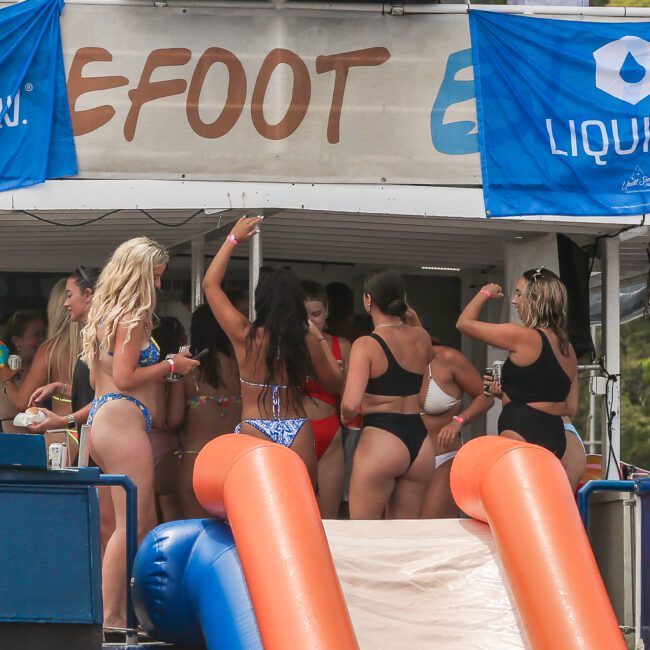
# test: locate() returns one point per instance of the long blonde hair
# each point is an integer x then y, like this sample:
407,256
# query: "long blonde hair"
544,303
125,287
63,341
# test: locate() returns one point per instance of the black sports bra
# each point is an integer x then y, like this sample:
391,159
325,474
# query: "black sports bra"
544,380
396,381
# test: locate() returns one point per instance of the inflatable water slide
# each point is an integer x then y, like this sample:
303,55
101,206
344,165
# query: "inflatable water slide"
519,574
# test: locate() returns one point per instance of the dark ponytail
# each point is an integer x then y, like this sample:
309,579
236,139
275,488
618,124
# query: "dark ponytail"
387,290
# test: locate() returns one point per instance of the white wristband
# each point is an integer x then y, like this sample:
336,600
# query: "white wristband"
172,366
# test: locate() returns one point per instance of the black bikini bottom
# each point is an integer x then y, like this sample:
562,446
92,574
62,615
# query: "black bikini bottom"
409,428
534,426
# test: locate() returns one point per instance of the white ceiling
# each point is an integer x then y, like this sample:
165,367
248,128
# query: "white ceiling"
29,244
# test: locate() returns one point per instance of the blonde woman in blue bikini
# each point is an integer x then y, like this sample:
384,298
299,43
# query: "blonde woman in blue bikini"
125,365
206,403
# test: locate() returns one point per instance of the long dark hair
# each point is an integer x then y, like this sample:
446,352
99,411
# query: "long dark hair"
205,332
280,310
169,335
388,291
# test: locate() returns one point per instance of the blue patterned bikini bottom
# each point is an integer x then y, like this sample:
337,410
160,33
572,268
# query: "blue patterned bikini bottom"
282,432
98,402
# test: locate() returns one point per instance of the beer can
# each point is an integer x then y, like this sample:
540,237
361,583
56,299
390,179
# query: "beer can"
55,455
14,362
496,370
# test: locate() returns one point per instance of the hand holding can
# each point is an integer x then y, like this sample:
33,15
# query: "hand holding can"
497,366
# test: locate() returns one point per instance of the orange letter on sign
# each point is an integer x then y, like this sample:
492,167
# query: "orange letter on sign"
299,97
234,101
92,118
148,90
341,64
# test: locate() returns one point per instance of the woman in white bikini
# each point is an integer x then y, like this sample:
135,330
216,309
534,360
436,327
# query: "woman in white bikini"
450,376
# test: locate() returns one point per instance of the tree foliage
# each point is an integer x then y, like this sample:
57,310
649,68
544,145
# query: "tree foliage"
635,392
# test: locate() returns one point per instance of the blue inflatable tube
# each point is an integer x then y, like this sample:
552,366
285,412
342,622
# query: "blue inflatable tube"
189,589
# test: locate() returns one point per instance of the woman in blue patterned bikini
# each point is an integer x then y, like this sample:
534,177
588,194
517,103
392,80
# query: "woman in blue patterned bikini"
275,352
125,365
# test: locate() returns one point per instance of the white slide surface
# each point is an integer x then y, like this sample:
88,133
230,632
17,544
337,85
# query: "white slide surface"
424,585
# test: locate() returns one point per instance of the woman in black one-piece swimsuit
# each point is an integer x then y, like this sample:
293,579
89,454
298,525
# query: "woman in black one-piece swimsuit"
539,378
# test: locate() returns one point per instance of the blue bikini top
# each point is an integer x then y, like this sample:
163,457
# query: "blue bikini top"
149,356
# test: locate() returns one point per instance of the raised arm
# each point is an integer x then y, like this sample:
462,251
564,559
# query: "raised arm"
356,381
411,318
326,367
128,375
345,353
506,336
234,323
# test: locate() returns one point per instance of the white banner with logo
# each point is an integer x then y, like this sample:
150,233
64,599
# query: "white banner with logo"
221,94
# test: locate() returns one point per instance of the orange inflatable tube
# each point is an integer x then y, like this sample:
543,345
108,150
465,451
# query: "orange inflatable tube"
264,491
522,492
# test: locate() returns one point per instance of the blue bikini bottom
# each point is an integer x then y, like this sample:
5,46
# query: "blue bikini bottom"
282,432
98,402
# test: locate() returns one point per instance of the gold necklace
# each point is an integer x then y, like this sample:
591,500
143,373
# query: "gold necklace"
398,324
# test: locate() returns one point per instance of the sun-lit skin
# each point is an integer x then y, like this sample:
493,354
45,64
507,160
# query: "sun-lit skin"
517,294
77,301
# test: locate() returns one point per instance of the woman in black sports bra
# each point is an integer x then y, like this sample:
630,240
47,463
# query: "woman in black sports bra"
393,462
539,378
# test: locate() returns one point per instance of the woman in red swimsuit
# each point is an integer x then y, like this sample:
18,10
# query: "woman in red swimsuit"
322,408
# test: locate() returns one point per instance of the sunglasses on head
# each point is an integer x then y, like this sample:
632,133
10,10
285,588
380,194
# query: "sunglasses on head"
80,270
537,273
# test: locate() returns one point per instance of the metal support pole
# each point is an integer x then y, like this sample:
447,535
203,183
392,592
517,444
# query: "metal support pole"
131,491
254,265
638,570
611,288
198,269
590,442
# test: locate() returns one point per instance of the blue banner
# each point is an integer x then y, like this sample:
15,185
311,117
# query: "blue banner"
564,115
36,140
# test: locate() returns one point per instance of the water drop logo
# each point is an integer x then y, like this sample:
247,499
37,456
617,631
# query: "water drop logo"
623,69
